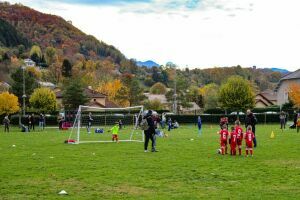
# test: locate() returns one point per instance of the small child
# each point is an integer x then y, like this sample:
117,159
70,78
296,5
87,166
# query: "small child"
249,136
233,141
223,139
115,131
239,132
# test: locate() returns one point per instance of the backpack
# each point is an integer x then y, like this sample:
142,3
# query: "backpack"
144,124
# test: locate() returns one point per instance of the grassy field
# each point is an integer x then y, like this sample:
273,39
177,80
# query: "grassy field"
40,165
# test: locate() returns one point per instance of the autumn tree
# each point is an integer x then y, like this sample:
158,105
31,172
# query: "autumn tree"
8,103
135,91
209,93
121,97
158,88
50,55
43,99
294,94
110,89
236,94
36,54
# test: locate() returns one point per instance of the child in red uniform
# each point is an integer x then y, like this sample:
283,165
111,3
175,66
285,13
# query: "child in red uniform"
239,135
223,139
233,141
249,136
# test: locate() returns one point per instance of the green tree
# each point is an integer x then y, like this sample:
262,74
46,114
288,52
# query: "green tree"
236,94
66,69
73,95
36,54
153,105
135,94
158,88
43,99
17,85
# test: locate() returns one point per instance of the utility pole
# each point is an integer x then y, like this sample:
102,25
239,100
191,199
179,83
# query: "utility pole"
175,94
24,95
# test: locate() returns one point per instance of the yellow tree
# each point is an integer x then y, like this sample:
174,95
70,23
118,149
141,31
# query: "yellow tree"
8,103
43,99
294,94
110,89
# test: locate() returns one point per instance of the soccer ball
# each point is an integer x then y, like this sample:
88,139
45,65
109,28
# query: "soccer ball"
219,151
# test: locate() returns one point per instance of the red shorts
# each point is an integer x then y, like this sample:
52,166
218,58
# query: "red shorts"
114,136
223,143
233,145
239,142
249,144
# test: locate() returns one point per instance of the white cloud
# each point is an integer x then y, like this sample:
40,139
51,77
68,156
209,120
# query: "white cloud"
207,33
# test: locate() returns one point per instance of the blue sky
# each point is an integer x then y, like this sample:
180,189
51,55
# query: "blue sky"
190,33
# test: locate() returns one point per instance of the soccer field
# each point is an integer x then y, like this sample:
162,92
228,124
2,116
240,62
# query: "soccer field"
40,165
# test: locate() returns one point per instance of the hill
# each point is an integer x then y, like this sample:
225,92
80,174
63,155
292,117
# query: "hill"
50,30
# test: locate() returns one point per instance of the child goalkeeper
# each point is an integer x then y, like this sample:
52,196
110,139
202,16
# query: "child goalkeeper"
115,130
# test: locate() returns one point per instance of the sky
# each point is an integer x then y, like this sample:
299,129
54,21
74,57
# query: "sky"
190,33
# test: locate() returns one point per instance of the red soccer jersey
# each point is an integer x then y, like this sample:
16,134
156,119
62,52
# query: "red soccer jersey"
249,136
233,138
223,135
239,132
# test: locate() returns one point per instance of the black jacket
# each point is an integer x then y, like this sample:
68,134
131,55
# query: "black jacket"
250,120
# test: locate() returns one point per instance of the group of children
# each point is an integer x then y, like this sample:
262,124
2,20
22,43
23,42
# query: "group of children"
235,138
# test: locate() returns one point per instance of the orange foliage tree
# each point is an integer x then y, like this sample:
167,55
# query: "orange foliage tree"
112,89
294,94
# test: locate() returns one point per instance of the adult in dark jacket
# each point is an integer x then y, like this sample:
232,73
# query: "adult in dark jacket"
251,120
150,132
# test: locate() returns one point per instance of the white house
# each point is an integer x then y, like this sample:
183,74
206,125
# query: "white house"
282,87
29,63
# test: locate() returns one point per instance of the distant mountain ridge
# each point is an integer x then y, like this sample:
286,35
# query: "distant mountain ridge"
148,64
283,71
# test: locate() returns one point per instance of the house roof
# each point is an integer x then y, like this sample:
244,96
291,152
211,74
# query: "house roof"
292,75
263,102
161,97
90,93
108,104
268,95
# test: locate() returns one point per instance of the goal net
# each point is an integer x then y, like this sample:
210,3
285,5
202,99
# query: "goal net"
93,124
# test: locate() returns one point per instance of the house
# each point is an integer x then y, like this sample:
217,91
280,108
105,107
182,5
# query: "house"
46,84
160,97
95,99
4,87
29,63
282,87
265,99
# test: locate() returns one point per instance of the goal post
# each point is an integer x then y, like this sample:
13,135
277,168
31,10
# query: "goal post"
93,124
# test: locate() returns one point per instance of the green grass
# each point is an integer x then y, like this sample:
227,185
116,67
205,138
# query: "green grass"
40,165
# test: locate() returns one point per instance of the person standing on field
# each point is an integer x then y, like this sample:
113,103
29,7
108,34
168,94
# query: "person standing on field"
6,123
89,125
32,119
150,132
251,120
199,123
282,118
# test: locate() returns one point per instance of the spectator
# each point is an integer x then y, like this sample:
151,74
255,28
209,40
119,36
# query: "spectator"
251,120
199,123
282,118
29,122
169,124
176,125
163,120
42,121
120,124
32,119
6,123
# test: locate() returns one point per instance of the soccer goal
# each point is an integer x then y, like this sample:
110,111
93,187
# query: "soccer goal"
93,124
